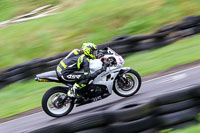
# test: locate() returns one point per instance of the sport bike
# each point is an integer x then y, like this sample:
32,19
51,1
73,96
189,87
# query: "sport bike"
124,81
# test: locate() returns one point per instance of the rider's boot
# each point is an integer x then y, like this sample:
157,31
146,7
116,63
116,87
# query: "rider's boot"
73,91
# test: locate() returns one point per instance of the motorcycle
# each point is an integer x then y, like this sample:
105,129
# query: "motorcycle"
124,81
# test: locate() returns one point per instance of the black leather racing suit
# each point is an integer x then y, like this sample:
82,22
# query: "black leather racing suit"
68,68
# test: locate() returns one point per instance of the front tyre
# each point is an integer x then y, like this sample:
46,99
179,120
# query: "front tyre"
127,83
53,103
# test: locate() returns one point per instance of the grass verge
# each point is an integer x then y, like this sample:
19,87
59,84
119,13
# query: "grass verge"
23,96
191,129
88,20
13,8
182,52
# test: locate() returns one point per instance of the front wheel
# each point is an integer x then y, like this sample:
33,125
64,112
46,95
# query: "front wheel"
53,103
127,84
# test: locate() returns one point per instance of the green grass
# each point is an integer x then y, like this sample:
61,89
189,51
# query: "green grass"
89,20
191,129
182,52
23,96
13,8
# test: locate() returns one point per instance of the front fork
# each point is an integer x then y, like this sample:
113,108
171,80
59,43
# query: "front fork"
122,76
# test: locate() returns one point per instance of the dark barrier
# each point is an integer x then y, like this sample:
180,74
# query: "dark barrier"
124,45
163,112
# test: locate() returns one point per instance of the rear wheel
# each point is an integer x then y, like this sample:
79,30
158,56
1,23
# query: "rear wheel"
127,84
53,102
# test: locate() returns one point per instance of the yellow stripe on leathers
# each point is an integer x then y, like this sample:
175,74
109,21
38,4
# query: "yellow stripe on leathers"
80,60
59,69
76,52
63,64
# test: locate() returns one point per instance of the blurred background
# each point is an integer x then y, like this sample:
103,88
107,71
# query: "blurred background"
66,24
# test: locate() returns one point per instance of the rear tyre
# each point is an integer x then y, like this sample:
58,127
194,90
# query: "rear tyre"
53,104
127,84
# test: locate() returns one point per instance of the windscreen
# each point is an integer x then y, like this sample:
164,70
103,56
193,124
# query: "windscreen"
110,51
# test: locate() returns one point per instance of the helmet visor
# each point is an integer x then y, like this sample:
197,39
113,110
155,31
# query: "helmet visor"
94,53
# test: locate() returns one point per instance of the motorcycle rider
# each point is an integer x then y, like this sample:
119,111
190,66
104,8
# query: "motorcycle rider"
73,62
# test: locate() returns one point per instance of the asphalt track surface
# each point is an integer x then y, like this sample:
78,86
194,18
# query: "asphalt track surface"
149,89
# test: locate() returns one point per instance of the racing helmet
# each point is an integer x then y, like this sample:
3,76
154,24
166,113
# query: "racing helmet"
89,49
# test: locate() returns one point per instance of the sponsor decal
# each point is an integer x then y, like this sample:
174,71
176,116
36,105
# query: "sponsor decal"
120,60
73,76
96,98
